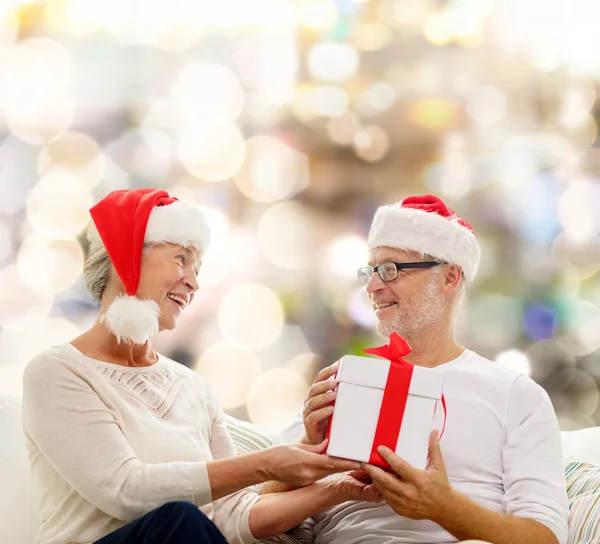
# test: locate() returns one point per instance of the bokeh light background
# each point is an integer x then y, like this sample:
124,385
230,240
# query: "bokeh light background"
289,123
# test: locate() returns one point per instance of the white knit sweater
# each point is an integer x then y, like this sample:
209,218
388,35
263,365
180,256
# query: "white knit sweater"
108,444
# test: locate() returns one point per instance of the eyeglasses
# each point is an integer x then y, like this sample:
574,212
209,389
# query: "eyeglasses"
389,271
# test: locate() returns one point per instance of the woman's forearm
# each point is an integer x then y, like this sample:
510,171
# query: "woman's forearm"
276,513
231,474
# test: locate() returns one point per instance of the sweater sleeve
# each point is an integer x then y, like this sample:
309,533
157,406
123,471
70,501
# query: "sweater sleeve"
232,511
77,434
534,478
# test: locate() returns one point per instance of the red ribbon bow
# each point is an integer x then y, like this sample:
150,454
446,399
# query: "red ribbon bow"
394,351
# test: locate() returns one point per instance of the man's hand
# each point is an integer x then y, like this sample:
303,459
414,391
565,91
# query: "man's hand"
413,493
318,405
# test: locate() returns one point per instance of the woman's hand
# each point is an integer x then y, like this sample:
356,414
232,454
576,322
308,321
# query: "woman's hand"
318,406
304,464
353,486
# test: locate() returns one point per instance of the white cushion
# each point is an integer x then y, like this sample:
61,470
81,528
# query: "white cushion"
18,501
583,444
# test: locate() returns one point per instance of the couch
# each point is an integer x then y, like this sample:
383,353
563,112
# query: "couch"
18,511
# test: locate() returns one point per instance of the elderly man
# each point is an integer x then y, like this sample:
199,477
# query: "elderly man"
497,474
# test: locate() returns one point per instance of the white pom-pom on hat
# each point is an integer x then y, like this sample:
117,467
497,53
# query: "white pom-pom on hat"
132,319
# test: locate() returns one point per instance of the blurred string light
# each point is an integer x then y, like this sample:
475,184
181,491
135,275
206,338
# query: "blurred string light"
312,101
379,97
515,360
5,242
21,307
230,372
316,14
286,237
486,105
577,399
75,16
76,154
332,61
9,26
452,176
345,255
218,262
371,143
275,398
343,129
60,260
204,89
434,113
250,317
168,26
35,112
458,22
18,163
144,153
271,170
370,35
544,30
305,364
211,149
409,16
495,320
579,326
576,104
278,60
539,321
17,348
360,309
58,206
579,210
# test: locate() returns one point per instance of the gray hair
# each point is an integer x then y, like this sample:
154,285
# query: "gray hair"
96,270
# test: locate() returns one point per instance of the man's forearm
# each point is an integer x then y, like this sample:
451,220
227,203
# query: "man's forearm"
465,519
276,513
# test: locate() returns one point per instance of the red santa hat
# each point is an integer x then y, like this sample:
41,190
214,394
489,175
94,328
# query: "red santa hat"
123,221
426,225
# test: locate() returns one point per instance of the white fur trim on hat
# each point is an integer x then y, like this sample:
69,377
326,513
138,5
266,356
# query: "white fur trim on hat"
178,223
426,232
132,319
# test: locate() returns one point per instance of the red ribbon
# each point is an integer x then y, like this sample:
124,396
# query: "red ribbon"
395,396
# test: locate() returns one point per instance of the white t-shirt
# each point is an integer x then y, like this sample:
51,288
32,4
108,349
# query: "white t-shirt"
108,444
501,446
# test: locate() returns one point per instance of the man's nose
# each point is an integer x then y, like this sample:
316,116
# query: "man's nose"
375,283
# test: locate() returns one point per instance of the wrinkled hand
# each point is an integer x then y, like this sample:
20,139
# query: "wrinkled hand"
317,407
413,493
304,464
353,486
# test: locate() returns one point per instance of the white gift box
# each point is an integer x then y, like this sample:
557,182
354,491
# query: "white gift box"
360,391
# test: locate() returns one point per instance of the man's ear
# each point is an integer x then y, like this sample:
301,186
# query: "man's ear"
453,277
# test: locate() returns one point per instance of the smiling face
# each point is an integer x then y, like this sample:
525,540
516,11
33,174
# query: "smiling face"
411,303
168,276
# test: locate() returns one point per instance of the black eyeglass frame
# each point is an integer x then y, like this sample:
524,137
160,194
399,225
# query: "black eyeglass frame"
399,266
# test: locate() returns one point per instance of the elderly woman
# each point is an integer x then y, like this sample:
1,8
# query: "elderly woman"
127,446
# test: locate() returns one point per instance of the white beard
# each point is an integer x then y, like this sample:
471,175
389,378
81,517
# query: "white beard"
416,315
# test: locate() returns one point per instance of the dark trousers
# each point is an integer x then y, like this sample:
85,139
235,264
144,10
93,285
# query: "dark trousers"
176,522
